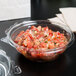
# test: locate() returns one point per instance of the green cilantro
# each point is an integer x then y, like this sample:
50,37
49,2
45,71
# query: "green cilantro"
55,43
45,41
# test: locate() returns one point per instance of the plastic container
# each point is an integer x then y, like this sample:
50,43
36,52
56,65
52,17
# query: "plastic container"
7,66
49,54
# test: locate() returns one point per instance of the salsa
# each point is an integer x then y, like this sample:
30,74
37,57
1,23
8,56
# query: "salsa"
40,38
36,40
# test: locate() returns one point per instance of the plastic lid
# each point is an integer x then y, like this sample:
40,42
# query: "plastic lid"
7,65
2,70
4,63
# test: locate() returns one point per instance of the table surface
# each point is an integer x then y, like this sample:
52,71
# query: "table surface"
65,65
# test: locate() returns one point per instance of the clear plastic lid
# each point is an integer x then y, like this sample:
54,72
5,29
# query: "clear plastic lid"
7,66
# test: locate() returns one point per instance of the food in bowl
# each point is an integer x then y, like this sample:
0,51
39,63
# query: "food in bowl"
39,38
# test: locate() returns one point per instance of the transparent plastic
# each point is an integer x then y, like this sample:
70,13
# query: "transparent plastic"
7,66
49,54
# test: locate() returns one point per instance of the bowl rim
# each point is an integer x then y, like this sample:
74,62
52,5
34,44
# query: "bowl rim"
71,40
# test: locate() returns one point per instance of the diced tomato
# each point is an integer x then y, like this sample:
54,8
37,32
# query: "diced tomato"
38,36
24,43
43,45
31,36
35,46
46,29
19,37
57,40
20,34
61,44
29,44
51,46
27,30
18,40
34,28
62,35
49,39
50,31
58,33
26,33
39,55
50,34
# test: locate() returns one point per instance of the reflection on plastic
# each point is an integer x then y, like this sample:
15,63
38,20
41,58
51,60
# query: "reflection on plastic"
2,70
17,70
7,66
6,40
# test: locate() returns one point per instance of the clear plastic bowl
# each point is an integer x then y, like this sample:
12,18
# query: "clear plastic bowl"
49,54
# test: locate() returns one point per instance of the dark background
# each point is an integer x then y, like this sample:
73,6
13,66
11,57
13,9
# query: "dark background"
65,65
43,9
